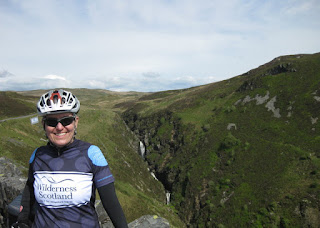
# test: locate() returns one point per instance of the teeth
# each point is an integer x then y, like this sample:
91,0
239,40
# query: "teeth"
61,134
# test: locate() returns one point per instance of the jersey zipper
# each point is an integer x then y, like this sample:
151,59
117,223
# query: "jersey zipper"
58,150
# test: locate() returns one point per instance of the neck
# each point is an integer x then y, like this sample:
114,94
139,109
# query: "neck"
59,148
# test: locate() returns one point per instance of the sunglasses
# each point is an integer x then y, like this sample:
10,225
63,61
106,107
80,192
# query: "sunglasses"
65,121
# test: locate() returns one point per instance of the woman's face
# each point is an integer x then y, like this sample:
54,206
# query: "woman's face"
60,135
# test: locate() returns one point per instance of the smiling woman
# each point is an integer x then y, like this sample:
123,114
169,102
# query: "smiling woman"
64,174
60,128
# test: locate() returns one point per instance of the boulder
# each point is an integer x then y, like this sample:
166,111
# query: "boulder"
11,185
148,221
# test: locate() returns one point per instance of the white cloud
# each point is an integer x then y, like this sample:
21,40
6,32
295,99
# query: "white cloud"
296,7
97,84
55,77
149,45
151,75
5,74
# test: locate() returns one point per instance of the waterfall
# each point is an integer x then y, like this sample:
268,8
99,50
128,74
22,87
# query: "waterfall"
142,152
154,176
168,195
142,149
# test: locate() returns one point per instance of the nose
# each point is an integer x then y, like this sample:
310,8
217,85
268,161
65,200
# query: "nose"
59,126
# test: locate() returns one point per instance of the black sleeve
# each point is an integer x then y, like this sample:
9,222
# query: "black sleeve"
27,209
27,202
112,206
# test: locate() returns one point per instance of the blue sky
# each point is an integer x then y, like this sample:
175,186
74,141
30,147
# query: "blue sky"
147,45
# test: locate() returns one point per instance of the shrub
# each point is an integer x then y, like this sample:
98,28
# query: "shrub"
229,142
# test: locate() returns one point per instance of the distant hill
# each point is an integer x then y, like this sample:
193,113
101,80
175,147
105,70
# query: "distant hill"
243,152
13,104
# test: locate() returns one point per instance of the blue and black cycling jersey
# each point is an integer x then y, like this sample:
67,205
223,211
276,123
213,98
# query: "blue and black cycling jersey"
63,184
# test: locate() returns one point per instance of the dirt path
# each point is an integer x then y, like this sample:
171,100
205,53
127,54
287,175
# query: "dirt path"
19,117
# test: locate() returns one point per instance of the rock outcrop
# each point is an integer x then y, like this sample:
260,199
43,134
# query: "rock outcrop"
147,221
11,185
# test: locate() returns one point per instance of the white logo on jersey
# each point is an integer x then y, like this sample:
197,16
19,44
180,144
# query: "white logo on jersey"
57,189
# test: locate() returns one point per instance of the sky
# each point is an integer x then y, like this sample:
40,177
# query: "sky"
147,45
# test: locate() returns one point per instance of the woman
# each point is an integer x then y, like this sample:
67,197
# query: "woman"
64,174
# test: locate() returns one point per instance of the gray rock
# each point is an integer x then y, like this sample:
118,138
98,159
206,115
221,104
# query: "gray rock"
148,221
260,100
8,169
11,185
271,107
231,125
103,217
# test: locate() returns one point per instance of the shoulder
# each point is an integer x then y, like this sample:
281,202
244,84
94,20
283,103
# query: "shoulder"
96,156
33,155
81,144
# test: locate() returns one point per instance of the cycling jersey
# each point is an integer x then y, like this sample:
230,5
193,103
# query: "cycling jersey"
64,183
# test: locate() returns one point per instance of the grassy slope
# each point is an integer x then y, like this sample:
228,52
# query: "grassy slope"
13,105
259,173
138,192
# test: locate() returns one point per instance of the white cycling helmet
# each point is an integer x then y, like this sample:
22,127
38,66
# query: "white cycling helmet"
57,101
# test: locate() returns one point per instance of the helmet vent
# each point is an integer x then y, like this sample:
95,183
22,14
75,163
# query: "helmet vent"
41,102
55,99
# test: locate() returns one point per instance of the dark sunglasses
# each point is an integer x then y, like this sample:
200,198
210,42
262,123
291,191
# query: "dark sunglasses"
65,121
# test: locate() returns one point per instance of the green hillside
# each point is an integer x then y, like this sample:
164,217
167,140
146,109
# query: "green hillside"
240,152
243,152
139,193
13,105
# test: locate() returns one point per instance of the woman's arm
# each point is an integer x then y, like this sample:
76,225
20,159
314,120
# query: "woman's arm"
112,206
27,202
